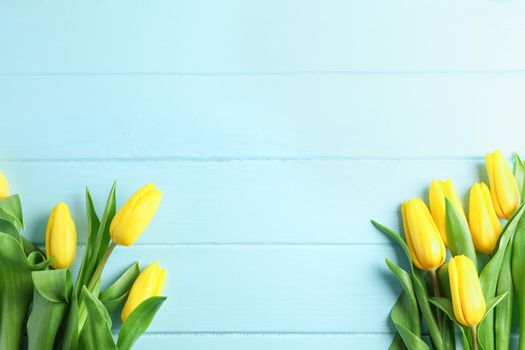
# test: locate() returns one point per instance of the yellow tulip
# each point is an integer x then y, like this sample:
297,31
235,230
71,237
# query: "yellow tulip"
465,288
148,284
4,187
135,215
485,226
503,186
422,235
439,190
61,237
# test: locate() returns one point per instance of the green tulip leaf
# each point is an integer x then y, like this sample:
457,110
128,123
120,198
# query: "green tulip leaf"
114,296
396,237
445,305
490,274
397,343
420,289
138,321
401,316
518,276
458,233
503,313
96,333
52,291
88,265
406,282
70,331
11,210
519,174
16,289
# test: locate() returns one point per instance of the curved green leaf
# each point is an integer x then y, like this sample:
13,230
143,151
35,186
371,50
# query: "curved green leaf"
113,296
503,313
395,236
11,210
490,274
52,291
403,277
420,289
458,233
96,333
138,321
16,289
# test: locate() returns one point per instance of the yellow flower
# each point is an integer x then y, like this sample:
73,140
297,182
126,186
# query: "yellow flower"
61,237
467,296
439,190
422,235
4,187
503,186
148,284
135,215
485,226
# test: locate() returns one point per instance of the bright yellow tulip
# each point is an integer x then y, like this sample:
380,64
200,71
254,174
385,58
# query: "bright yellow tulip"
439,190
465,288
135,215
503,186
422,235
61,237
485,226
4,187
148,284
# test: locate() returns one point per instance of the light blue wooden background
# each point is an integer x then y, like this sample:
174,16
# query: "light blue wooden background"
276,130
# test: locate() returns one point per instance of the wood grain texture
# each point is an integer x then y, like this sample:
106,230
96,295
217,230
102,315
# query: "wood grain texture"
301,202
260,36
275,129
137,117
264,342
269,289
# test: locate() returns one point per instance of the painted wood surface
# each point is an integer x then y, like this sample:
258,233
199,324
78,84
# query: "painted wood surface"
276,130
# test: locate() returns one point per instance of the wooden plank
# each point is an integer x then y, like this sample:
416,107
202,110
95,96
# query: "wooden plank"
262,36
303,202
264,342
268,289
260,117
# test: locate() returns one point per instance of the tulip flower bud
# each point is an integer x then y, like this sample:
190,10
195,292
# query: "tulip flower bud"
424,241
148,284
439,190
61,237
503,186
485,226
135,215
4,187
467,297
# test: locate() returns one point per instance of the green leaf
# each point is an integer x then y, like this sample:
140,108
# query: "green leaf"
97,330
519,174
413,311
503,313
52,291
114,296
397,343
422,296
88,264
395,236
138,321
16,289
490,274
518,275
458,233
11,210
70,332
446,306
419,287
447,329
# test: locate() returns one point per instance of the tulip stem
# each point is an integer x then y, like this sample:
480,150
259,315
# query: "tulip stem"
100,267
474,337
435,285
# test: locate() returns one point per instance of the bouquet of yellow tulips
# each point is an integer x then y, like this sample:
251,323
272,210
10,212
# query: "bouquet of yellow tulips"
473,294
40,306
